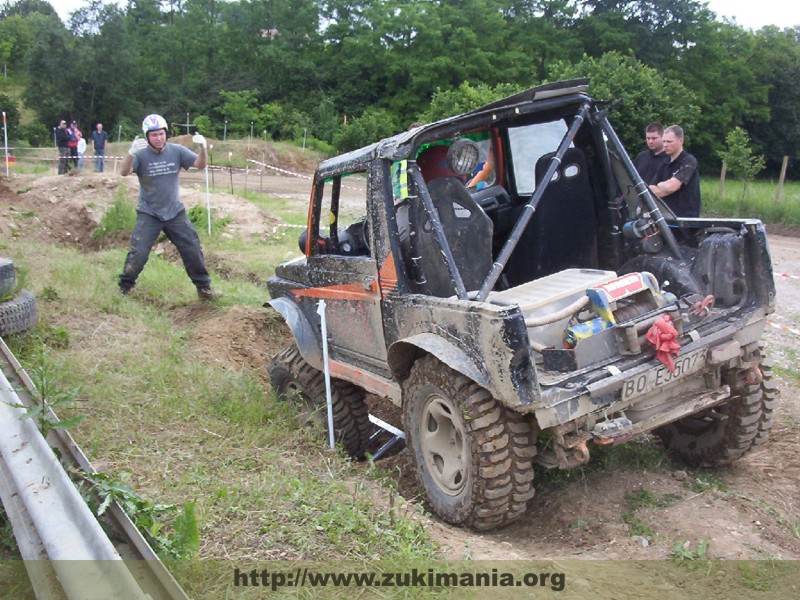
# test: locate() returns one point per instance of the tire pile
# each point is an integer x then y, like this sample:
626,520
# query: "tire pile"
18,314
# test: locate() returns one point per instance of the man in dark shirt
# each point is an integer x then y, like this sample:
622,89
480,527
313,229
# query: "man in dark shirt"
679,179
649,161
62,143
99,138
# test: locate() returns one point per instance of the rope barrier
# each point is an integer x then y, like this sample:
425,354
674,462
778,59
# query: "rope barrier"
791,330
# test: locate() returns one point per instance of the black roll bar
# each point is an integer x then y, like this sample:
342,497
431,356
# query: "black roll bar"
530,207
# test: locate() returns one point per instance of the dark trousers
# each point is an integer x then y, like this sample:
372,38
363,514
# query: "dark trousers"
180,232
63,160
99,157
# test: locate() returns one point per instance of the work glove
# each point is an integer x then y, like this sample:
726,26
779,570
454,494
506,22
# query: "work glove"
199,139
137,146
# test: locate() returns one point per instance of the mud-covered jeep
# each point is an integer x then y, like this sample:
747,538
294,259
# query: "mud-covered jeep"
507,279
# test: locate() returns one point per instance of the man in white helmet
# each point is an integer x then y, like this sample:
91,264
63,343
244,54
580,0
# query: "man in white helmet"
157,163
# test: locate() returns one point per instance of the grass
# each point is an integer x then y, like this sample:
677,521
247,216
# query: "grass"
756,201
703,481
121,216
177,426
644,499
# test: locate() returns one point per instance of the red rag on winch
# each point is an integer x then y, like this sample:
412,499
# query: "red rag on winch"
663,336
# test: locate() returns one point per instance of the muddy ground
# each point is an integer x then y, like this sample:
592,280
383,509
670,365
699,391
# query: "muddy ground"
750,510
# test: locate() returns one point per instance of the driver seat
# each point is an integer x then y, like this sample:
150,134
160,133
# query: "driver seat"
468,231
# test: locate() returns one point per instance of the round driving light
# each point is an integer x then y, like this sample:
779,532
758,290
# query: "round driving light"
462,157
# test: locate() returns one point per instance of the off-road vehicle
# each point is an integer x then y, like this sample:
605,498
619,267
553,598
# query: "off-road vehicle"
517,321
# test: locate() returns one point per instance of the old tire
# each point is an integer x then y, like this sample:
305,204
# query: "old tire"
19,314
296,381
723,434
8,278
473,456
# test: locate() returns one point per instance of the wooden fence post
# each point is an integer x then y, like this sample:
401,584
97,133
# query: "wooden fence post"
781,179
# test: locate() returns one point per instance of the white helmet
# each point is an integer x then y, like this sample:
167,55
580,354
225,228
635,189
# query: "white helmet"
153,123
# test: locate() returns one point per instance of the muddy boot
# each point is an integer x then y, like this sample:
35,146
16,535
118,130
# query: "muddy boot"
208,293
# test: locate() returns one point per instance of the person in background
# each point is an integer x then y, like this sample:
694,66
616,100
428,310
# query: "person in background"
679,178
649,161
157,164
74,135
99,138
62,143
81,152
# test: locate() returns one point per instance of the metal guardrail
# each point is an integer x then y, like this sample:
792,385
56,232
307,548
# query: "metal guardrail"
65,549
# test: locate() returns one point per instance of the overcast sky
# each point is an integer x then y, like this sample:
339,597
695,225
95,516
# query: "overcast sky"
752,14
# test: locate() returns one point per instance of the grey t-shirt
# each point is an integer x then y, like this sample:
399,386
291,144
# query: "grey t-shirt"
158,179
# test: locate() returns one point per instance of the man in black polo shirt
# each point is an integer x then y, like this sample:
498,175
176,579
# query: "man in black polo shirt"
679,179
649,161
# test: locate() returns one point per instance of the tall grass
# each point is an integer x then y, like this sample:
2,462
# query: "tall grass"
755,200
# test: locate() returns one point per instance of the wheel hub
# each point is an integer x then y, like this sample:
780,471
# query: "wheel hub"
443,445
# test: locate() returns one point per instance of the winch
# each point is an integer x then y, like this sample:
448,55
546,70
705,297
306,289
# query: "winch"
616,302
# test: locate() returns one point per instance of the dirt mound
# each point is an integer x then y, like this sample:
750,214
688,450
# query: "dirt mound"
241,338
68,208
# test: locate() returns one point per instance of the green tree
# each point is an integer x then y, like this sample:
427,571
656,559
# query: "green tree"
26,8
373,125
642,94
779,69
105,51
9,107
722,70
739,158
240,109
15,39
464,98
282,121
50,64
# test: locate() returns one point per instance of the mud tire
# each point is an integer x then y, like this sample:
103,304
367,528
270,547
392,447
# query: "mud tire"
295,380
769,401
723,434
473,456
8,279
18,315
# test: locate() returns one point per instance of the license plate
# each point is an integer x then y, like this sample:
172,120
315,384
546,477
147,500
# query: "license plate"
660,376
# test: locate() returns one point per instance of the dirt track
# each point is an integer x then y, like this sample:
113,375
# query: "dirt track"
751,510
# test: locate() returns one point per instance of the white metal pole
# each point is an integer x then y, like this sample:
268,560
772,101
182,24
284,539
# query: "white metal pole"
208,203
5,140
326,370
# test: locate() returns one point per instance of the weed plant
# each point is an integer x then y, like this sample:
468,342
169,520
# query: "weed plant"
121,216
683,552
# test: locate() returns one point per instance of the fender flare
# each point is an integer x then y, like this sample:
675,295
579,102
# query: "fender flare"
403,353
304,334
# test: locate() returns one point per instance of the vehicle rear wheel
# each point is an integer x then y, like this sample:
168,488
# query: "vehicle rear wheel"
296,381
723,434
473,456
769,401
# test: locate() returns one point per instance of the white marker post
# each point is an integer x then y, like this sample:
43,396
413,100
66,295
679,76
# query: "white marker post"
329,398
208,195
5,141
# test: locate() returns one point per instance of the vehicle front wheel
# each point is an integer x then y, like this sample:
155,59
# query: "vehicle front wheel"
296,381
473,456
722,434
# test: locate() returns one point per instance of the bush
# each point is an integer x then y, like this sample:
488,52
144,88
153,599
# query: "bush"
373,125
36,134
